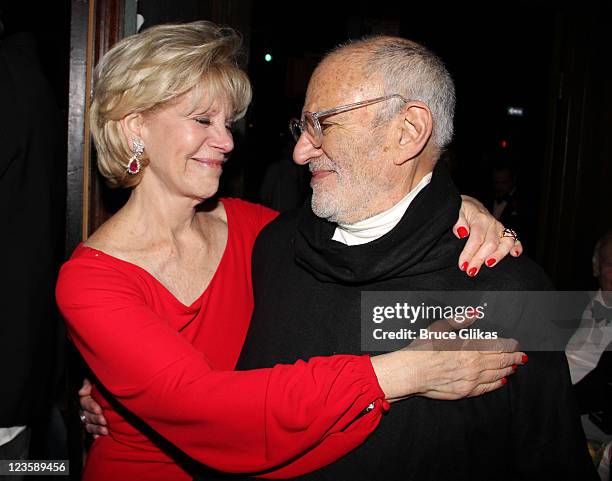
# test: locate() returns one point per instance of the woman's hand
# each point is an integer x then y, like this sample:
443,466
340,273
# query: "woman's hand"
485,242
444,374
91,412
447,369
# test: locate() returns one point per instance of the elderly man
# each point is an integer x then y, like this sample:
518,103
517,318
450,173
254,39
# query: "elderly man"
377,115
591,339
588,350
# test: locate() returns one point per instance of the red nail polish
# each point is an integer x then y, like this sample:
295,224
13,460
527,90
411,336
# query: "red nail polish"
472,272
490,261
504,380
525,358
464,266
463,232
514,367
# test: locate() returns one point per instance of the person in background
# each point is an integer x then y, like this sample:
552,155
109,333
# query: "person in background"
588,350
505,206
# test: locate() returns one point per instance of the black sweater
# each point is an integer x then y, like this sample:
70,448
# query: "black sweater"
307,303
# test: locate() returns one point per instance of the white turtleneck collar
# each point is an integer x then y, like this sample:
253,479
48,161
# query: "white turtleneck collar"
377,226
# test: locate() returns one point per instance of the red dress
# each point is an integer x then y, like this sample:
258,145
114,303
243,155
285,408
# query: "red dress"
171,365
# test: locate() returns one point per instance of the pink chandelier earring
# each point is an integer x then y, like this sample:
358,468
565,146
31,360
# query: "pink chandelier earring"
133,165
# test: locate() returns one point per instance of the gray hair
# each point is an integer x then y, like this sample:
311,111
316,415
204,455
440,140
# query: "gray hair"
413,71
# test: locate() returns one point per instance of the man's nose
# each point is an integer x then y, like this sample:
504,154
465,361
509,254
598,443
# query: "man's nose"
305,150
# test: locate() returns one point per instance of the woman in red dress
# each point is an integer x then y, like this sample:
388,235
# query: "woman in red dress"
158,300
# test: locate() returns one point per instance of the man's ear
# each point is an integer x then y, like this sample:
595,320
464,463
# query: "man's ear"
414,130
131,125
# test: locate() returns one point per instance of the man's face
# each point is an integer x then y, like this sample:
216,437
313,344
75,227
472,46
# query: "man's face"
503,182
605,269
349,177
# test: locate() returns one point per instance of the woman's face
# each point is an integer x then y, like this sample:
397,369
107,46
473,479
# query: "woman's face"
187,148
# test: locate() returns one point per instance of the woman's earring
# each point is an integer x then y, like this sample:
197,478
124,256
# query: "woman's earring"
133,165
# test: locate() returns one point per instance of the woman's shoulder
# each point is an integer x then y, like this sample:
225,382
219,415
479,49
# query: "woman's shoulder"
121,239
88,263
101,258
89,274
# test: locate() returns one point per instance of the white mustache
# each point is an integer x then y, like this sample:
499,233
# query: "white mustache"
321,165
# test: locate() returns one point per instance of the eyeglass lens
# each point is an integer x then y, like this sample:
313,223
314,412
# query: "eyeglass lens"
307,124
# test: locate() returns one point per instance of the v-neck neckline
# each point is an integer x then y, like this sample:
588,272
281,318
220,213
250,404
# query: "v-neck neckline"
160,283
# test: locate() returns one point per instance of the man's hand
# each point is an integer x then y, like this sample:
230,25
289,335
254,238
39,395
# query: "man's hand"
485,242
93,420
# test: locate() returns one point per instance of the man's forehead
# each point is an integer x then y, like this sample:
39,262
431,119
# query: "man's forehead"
605,250
335,81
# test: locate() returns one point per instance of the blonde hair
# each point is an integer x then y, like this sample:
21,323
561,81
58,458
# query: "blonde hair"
147,70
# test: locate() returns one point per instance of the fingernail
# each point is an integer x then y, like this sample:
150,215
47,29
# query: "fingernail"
463,232
514,367
491,261
464,266
516,253
472,272
504,380
525,358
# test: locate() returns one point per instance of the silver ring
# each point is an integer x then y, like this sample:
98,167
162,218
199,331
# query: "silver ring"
83,418
510,233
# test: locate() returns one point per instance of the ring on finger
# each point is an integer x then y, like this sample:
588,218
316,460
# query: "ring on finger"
507,232
83,417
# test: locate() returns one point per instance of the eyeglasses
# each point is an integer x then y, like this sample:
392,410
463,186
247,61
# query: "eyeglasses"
310,120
